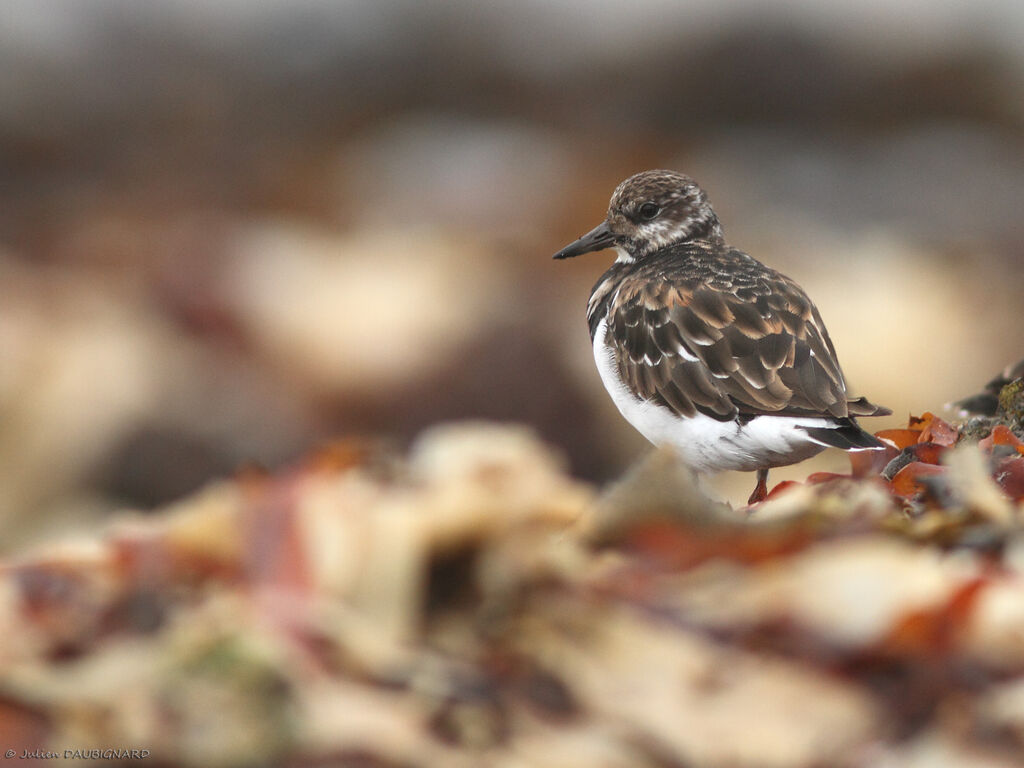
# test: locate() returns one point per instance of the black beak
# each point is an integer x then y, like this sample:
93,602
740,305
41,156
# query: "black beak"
599,238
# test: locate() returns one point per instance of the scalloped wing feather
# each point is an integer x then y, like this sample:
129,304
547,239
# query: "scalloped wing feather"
721,334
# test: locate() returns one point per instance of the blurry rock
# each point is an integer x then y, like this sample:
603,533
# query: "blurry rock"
104,402
473,451
451,609
349,719
363,313
468,484
154,465
849,594
970,479
986,403
936,749
80,362
497,462
682,691
862,589
226,691
503,178
1011,403
658,488
839,499
1002,709
995,633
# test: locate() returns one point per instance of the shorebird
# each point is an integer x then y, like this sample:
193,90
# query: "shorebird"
706,349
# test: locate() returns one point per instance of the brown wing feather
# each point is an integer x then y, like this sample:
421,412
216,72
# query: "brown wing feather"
754,346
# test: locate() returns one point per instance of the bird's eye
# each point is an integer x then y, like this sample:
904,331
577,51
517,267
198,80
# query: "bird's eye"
648,211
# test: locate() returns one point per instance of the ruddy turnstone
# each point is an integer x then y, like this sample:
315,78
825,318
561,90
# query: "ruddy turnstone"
705,348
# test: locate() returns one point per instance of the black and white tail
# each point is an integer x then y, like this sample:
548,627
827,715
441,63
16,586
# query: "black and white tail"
846,434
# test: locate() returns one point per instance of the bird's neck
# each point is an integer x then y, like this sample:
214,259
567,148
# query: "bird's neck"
706,231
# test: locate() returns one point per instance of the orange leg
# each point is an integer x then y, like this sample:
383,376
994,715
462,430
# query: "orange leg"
761,489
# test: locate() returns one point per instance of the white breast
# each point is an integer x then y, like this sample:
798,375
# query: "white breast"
706,444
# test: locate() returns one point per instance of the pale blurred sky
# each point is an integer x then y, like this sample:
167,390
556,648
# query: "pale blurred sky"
559,30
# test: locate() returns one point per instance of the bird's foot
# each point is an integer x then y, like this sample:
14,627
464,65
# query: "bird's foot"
761,489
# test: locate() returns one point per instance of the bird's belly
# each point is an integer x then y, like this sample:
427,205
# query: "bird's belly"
706,444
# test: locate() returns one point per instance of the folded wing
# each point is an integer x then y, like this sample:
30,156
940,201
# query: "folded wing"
758,348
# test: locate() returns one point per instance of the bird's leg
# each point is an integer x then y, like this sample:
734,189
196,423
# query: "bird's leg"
761,489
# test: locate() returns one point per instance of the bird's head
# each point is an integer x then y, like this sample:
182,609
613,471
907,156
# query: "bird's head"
647,212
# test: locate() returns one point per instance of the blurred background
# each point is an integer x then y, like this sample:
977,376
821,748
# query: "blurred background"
231,231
